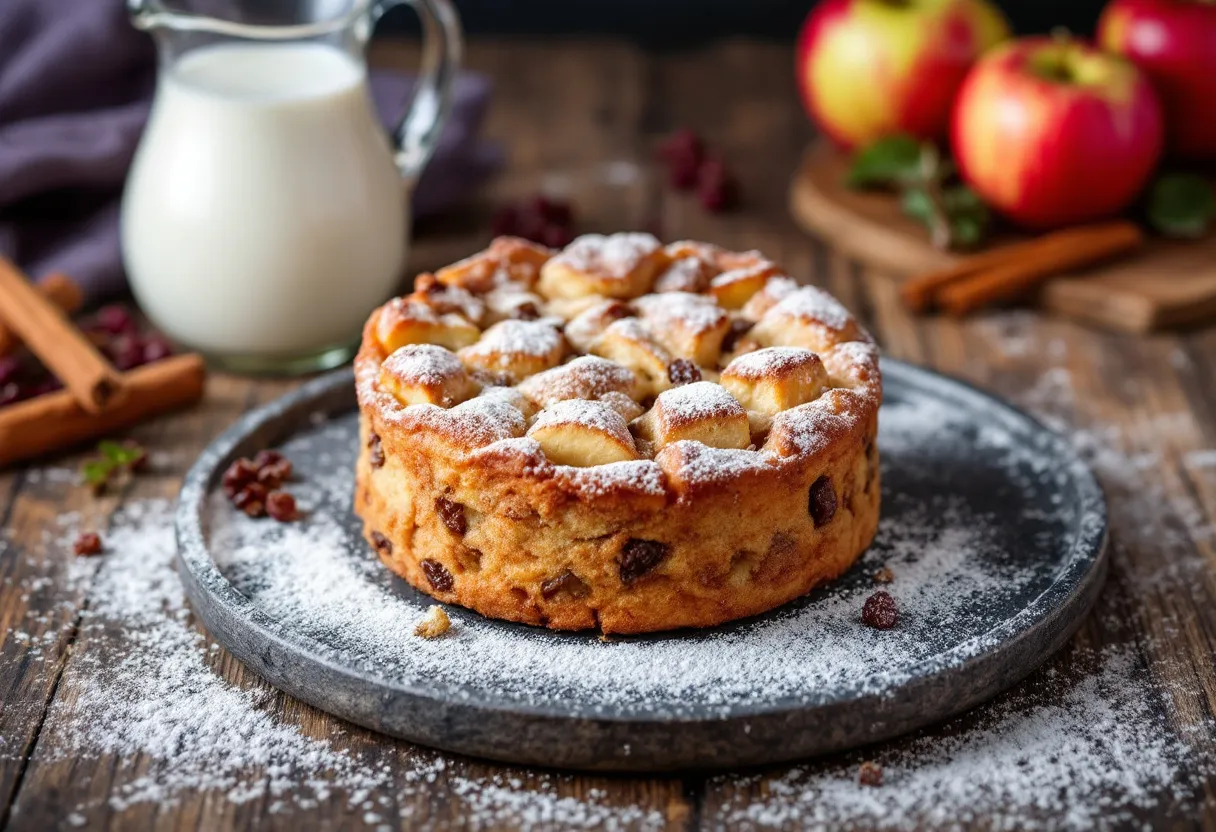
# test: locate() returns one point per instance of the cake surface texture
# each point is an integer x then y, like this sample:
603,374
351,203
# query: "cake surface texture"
620,435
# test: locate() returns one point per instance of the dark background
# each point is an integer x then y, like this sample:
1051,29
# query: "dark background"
658,22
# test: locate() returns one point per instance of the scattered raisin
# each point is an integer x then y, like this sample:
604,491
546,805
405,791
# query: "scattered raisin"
87,544
822,502
683,371
375,451
382,543
870,774
738,328
639,557
884,575
438,575
879,611
252,500
281,506
526,311
239,474
566,582
452,515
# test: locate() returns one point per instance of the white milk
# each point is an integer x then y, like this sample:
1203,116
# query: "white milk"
264,214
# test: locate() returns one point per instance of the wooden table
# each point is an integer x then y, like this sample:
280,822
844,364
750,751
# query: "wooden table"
585,117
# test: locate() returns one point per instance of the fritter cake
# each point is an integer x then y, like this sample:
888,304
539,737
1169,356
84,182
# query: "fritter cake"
619,435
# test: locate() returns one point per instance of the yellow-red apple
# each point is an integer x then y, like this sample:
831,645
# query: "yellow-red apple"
1053,131
1174,42
871,68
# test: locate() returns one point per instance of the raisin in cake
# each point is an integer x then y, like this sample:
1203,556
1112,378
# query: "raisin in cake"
618,435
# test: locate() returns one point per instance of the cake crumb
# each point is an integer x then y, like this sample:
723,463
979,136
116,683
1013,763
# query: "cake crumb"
884,575
434,624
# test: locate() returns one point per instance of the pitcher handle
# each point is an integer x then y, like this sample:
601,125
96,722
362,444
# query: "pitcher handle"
417,135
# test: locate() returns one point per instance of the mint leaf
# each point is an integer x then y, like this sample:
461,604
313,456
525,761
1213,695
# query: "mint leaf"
917,204
887,162
110,450
1181,205
96,472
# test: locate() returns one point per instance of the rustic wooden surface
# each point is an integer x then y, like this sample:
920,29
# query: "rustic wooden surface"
1166,283
584,117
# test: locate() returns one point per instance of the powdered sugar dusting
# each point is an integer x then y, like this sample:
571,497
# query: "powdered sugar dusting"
697,401
510,338
615,255
770,362
1091,747
810,303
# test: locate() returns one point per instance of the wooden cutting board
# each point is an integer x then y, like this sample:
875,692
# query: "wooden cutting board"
1168,284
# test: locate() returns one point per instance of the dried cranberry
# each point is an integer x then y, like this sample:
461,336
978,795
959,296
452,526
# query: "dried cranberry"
126,352
568,583
822,501
251,499
156,348
869,774
10,368
452,515
683,371
439,577
267,457
639,557
683,144
716,188
115,320
11,393
879,611
505,221
47,385
555,236
87,544
281,506
239,474
382,543
375,451
683,173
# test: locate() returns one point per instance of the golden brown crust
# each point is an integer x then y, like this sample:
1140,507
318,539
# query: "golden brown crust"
580,494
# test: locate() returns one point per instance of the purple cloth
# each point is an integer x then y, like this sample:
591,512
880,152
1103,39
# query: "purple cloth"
76,81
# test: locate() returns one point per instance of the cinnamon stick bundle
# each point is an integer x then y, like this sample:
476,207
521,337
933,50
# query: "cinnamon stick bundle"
55,421
1007,272
57,342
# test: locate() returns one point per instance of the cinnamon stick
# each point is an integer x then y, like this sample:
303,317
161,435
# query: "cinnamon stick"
56,421
1015,277
61,346
920,293
60,290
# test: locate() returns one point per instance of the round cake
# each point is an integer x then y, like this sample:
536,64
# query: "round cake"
619,435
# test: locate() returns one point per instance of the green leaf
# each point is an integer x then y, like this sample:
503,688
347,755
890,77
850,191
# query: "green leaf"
1181,205
967,231
917,204
110,449
96,472
886,162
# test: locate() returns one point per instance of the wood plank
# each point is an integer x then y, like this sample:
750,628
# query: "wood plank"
1166,284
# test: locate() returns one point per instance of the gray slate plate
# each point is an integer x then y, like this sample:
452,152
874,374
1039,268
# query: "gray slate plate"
993,527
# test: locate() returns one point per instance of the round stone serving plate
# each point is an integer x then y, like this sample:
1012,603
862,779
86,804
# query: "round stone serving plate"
993,532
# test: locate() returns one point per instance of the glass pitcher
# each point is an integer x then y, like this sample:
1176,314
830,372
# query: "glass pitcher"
266,213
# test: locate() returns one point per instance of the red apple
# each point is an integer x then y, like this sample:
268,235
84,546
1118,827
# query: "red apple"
870,68
1174,42
1053,131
